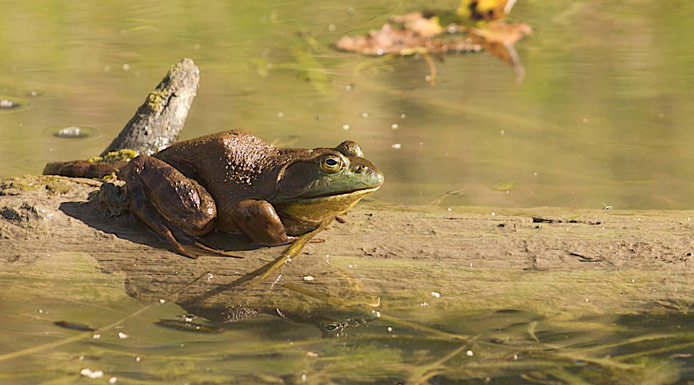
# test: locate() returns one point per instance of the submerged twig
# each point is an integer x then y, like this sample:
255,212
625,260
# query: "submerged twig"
438,201
431,370
432,68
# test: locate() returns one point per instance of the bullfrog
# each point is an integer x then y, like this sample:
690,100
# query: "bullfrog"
234,182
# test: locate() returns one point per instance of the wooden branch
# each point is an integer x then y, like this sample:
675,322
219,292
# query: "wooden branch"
158,121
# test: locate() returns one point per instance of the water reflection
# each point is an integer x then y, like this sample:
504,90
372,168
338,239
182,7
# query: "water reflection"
453,345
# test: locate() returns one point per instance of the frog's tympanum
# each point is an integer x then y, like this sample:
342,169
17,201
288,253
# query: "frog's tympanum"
235,182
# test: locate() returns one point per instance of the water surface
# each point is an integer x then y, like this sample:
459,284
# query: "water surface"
603,117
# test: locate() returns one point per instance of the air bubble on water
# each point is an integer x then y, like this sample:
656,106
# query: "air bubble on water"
72,132
209,277
91,373
345,127
389,329
364,114
436,294
122,335
394,126
396,146
7,104
332,28
469,353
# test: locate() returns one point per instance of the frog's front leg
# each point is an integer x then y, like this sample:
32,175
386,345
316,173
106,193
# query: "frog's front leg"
166,200
259,221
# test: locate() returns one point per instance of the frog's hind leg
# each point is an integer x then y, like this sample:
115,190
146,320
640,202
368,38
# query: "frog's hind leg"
164,199
148,215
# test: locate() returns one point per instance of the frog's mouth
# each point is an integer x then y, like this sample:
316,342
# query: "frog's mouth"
337,196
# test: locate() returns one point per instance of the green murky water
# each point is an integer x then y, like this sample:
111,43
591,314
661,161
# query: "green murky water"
603,117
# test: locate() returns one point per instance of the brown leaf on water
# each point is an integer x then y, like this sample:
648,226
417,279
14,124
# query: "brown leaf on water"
387,40
405,42
419,24
416,33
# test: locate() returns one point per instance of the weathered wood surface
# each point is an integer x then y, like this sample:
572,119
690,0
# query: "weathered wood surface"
625,259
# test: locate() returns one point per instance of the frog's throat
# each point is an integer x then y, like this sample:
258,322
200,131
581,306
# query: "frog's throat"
316,208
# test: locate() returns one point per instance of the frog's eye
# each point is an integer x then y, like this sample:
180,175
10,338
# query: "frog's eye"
331,163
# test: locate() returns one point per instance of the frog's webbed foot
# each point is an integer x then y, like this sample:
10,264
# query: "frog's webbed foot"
166,201
199,244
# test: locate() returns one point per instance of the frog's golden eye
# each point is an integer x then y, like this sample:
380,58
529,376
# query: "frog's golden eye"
331,163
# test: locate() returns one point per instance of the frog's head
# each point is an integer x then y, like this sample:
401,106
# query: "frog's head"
325,183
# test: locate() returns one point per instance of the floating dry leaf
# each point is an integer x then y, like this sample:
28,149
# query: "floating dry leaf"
423,33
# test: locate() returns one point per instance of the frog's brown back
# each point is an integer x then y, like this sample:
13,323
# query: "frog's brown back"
232,161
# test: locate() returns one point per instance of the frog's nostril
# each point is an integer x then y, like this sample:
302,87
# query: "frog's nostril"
360,169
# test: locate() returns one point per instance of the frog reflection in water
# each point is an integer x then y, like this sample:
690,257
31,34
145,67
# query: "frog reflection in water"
235,182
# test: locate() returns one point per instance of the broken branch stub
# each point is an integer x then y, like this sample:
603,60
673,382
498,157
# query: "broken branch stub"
158,121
